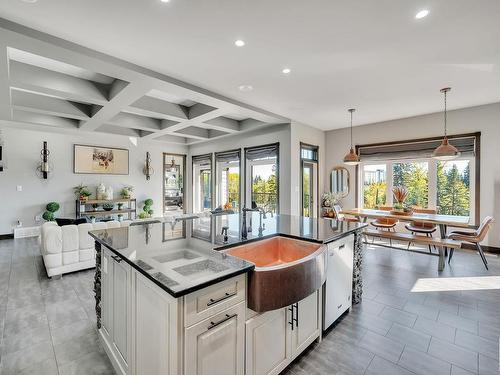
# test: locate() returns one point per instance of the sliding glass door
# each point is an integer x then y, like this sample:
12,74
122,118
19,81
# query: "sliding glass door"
262,177
202,183
227,167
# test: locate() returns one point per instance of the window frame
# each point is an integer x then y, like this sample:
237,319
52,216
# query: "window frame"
193,158
475,174
218,174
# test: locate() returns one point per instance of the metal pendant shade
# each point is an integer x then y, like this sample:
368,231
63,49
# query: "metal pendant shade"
445,151
351,158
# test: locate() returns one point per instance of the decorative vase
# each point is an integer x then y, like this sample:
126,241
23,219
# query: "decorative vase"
101,192
109,193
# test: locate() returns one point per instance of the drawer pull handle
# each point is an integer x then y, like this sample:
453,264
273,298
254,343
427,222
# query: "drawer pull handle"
215,324
339,306
226,295
116,258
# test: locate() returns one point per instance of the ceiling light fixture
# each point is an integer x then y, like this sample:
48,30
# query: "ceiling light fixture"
445,151
245,88
29,1
239,43
422,14
165,1
286,70
351,158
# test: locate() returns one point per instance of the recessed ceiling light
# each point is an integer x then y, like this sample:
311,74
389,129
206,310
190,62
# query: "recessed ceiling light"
165,1
239,43
29,1
286,70
245,88
423,13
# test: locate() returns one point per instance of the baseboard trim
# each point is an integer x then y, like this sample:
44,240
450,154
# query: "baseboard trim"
6,236
486,249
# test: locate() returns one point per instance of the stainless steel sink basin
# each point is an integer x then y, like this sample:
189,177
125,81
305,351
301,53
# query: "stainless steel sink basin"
286,271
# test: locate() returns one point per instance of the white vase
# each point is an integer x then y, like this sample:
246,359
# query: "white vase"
109,193
101,191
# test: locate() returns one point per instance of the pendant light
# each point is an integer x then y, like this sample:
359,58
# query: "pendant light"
351,158
445,151
173,168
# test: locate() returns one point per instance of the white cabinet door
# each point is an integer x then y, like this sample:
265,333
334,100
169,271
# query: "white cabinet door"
338,286
155,322
120,311
307,324
106,293
216,346
268,349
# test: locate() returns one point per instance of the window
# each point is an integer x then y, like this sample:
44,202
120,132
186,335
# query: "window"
173,183
262,177
453,187
374,185
415,177
309,175
202,183
227,166
449,187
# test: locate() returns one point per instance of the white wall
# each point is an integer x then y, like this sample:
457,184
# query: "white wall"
305,134
23,153
485,119
273,134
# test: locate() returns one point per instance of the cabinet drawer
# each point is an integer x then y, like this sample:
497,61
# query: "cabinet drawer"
204,303
346,241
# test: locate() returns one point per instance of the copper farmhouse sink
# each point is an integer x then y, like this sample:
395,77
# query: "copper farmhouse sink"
286,271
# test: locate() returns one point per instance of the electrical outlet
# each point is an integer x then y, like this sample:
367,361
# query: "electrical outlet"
38,218
19,188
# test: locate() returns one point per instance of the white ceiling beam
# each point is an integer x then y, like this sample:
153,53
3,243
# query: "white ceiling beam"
32,78
224,124
5,110
251,124
126,95
198,110
132,121
172,139
118,130
51,106
160,108
43,119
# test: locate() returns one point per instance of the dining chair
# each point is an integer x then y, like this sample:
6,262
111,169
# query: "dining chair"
420,226
337,209
473,237
385,223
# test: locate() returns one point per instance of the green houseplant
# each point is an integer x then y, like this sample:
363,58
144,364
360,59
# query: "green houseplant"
147,210
82,192
51,208
108,206
126,192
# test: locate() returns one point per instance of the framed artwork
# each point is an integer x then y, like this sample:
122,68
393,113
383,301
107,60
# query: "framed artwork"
100,160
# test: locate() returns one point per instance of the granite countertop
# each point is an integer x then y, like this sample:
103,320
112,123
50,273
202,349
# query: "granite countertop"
182,256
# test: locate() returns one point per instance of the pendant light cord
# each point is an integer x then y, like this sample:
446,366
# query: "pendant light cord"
351,130
445,117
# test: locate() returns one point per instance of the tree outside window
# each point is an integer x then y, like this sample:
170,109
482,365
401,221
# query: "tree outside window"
453,182
414,177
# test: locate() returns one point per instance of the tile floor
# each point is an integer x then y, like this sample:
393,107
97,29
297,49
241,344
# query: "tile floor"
47,326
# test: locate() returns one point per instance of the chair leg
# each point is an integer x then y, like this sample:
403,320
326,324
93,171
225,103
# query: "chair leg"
451,255
429,246
481,253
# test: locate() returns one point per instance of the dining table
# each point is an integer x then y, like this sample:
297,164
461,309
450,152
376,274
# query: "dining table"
442,221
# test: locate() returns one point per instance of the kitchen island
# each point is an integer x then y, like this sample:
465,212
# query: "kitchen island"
170,299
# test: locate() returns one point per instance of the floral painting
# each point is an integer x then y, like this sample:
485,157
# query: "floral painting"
100,160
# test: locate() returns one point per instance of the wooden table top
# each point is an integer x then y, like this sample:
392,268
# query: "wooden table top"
450,220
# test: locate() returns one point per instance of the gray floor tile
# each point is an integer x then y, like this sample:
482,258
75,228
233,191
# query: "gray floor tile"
455,370
436,329
390,300
63,313
74,348
94,363
382,346
454,354
410,337
398,316
25,358
72,331
47,367
488,331
421,310
423,363
26,339
380,366
476,343
488,366
460,322
370,322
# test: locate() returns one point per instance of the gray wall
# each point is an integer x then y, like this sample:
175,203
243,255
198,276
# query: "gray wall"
23,153
485,119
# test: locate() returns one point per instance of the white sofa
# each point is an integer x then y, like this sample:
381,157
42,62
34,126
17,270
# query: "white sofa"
70,248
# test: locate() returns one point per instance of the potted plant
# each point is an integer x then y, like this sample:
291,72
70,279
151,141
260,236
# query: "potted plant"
51,208
108,206
95,206
120,205
126,192
400,194
82,192
147,211
92,219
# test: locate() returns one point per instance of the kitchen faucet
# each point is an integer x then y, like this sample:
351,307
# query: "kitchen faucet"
244,229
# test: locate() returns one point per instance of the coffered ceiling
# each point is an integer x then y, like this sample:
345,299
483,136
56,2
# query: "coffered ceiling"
48,83
372,55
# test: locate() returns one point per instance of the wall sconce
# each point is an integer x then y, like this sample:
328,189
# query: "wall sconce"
44,168
148,170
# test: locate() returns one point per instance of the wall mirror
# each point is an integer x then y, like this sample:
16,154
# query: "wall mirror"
339,181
